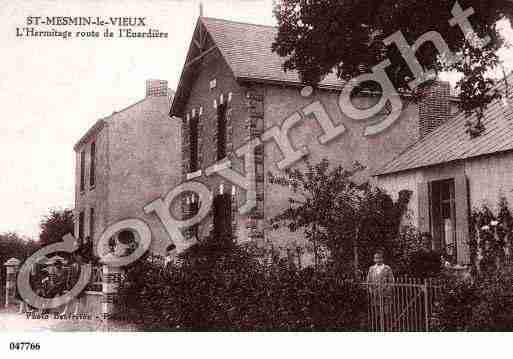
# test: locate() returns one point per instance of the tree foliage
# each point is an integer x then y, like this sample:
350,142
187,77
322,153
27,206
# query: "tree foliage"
13,245
318,37
335,210
55,225
491,237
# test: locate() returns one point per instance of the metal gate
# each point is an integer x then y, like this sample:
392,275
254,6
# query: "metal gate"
402,306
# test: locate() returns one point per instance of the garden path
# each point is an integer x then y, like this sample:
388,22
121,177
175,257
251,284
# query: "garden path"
11,321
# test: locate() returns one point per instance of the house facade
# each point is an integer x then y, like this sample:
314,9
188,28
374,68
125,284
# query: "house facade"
124,161
451,172
233,91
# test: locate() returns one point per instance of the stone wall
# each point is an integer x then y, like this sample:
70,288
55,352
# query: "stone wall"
93,197
145,157
138,159
372,151
202,104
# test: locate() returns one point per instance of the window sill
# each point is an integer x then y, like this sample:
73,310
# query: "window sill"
193,175
225,163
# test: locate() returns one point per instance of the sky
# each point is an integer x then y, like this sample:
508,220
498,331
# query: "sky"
53,90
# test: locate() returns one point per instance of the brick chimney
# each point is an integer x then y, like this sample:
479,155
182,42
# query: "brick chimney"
434,107
156,88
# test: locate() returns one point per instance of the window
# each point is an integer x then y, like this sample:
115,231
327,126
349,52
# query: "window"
81,225
93,165
91,222
194,209
194,144
221,131
443,216
223,216
443,210
82,171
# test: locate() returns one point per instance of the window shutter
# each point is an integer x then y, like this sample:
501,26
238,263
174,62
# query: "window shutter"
461,201
423,206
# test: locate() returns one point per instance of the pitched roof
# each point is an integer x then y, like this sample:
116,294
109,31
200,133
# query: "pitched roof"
93,130
450,142
246,49
102,122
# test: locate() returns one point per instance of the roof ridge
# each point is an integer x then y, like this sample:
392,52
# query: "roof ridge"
238,22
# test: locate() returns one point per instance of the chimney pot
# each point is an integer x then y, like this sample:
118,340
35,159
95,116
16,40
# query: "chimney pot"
155,88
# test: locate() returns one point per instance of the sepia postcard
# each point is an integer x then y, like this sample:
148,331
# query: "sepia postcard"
304,166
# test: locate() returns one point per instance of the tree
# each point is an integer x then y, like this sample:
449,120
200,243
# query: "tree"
351,219
13,245
55,225
346,36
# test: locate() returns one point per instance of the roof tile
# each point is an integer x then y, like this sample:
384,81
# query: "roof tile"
450,142
247,49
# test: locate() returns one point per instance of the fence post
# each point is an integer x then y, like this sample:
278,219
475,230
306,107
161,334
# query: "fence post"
11,266
426,304
381,309
110,286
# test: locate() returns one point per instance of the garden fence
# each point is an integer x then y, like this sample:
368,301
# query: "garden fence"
404,305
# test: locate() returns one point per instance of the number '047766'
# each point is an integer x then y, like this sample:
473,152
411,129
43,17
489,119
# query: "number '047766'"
24,346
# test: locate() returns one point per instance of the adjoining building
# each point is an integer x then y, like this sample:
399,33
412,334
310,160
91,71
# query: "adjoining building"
125,161
451,172
233,88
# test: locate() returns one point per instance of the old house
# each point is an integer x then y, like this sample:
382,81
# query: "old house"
233,90
126,160
451,172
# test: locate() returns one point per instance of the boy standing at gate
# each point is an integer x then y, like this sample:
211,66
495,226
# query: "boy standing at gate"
379,281
380,274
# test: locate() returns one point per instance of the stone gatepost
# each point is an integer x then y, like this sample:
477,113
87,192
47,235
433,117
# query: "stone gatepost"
12,267
111,281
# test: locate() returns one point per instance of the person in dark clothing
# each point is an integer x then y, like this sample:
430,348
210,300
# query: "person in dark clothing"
85,251
58,278
425,263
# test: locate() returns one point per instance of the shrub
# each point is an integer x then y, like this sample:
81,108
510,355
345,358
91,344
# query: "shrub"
483,305
232,291
402,249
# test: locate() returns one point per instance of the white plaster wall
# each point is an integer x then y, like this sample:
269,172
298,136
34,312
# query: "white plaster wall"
489,178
